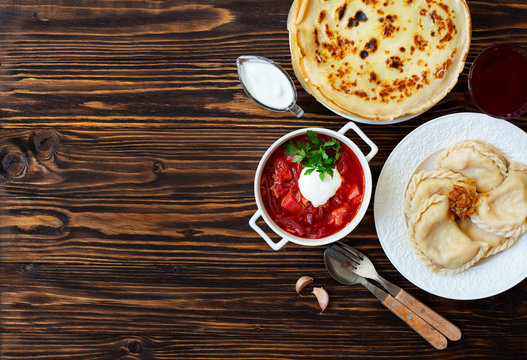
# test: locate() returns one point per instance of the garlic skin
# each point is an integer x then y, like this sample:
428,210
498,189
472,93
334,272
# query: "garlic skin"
322,297
302,283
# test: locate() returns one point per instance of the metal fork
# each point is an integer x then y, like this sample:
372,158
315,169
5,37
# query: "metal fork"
339,268
363,266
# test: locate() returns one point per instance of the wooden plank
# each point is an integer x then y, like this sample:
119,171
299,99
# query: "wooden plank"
106,196
253,345
221,299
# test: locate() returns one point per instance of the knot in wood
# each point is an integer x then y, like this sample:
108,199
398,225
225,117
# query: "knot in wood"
44,142
28,267
135,347
14,164
158,167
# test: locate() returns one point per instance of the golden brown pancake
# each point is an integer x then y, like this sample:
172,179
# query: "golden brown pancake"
379,59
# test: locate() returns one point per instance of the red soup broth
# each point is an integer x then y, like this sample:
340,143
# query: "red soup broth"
294,213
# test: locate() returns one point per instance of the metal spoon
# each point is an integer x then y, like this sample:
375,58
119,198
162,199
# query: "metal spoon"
339,270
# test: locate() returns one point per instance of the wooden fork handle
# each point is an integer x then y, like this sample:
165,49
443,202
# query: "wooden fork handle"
444,326
434,337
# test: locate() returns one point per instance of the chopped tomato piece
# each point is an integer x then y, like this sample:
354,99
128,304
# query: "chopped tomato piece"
336,200
290,204
339,215
354,192
291,225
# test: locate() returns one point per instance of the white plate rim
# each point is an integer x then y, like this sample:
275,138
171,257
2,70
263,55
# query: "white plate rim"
370,121
482,127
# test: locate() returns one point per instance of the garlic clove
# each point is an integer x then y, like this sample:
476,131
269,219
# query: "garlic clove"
302,283
322,297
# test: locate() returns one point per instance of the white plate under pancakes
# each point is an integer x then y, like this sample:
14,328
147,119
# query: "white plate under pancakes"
490,276
375,122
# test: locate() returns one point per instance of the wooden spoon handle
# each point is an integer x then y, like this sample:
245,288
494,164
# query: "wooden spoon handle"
444,326
434,337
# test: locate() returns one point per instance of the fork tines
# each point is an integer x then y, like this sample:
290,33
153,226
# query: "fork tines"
349,258
351,250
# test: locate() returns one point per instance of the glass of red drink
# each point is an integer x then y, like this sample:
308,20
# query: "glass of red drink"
497,81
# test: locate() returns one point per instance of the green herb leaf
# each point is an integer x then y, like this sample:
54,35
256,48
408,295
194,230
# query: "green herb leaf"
311,136
289,148
331,142
315,154
298,158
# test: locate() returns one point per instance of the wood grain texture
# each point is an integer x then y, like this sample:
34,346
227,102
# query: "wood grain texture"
129,151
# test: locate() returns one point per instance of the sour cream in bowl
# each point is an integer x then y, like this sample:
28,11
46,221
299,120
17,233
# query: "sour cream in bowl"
318,190
268,84
313,186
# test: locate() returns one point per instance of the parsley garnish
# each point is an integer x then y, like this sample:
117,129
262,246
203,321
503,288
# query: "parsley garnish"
317,154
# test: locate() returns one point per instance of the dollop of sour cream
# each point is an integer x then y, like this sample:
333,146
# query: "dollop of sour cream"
316,190
267,84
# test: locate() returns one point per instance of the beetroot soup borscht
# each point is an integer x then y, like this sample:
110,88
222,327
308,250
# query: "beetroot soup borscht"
289,208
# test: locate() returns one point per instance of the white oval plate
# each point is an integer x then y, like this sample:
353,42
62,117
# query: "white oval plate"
373,122
488,277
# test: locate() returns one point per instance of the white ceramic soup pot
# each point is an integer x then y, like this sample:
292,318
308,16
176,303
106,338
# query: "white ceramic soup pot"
286,236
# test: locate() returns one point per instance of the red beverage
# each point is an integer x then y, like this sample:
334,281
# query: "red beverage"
498,81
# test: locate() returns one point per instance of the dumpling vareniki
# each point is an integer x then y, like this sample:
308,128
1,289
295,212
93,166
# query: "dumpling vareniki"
476,160
495,242
426,183
439,241
503,211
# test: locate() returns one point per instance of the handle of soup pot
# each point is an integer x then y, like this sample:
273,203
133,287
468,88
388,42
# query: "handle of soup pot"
271,243
371,144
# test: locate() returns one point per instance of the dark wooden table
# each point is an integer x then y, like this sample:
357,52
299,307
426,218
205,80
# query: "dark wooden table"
125,235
